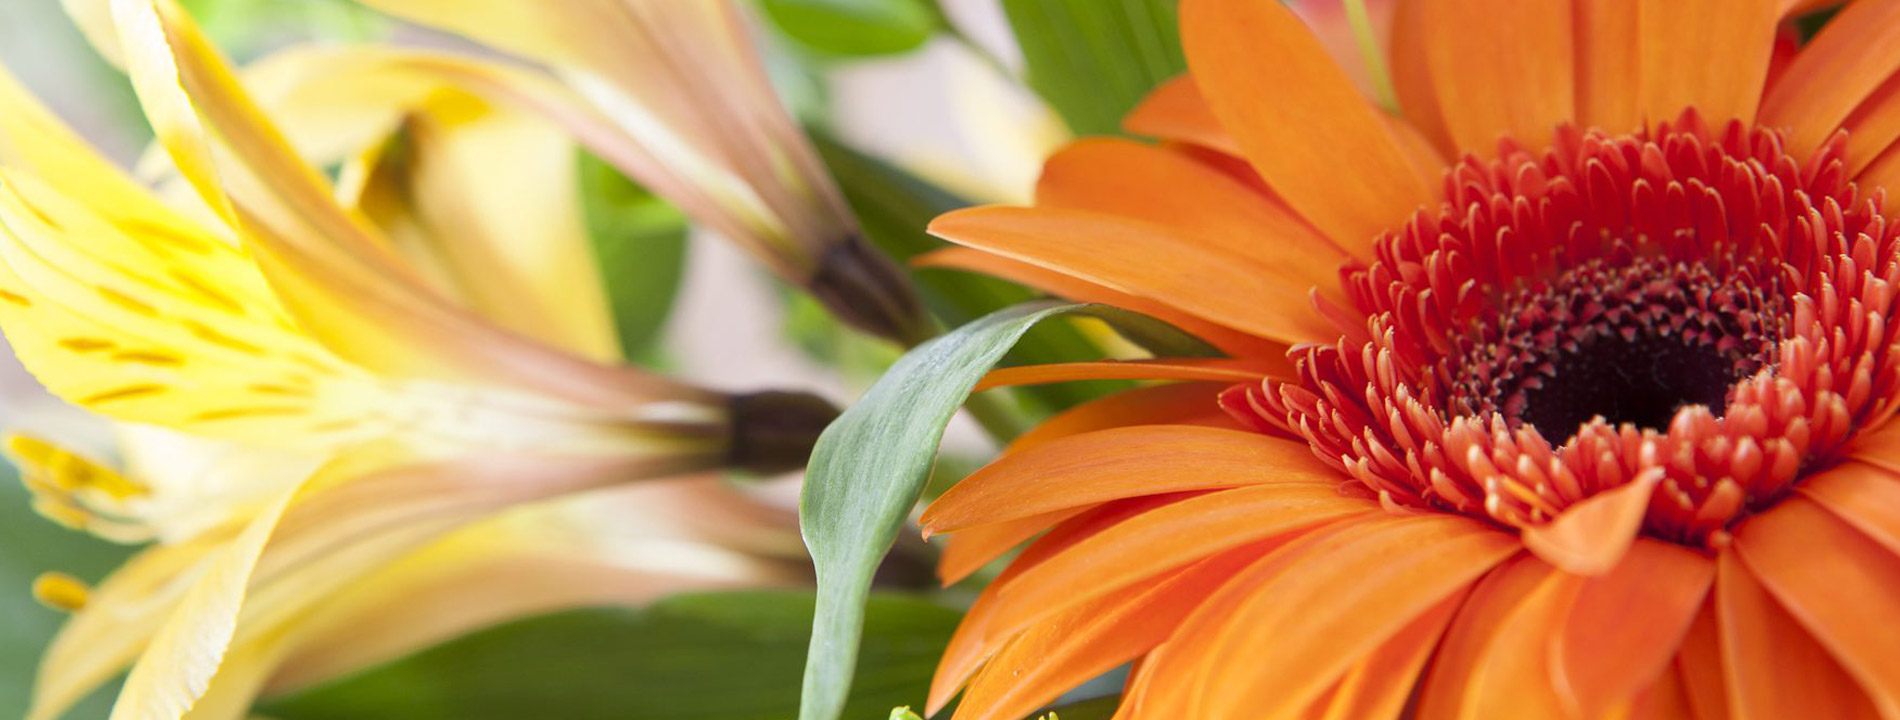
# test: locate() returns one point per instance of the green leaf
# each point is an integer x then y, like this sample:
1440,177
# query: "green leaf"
871,465
716,656
34,545
894,207
856,28
1094,59
640,244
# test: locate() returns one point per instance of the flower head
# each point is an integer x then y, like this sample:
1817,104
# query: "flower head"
337,395
1572,393
673,94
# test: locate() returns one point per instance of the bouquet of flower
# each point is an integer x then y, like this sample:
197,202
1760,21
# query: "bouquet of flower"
986,360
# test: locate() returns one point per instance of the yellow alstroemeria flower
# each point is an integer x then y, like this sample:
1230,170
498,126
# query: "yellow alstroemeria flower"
690,114
367,392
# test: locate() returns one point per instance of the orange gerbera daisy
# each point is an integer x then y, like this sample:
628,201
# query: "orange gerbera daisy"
1587,413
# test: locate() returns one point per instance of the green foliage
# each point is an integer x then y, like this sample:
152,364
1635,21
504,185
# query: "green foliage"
1093,60
715,656
33,545
856,28
871,465
640,244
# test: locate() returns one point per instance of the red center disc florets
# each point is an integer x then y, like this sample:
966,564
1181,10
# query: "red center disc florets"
1688,305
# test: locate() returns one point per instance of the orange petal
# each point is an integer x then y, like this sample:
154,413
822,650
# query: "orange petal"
1412,76
1884,173
1866,497
1609,76
1176,110
1857,51
1874,126
1699,664
968,550
1210,369
1106,465
1500,68
1143,258
1708,54
1169,680
1067,650
976,639
1626,626
1773,668
1172,404
1664,699
1590,537
1144,182
1296,115
1337,602
1494,661
1166,538
1838,583
1229,340
1379,685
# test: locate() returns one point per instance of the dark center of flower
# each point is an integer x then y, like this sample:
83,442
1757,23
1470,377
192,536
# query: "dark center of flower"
1629,343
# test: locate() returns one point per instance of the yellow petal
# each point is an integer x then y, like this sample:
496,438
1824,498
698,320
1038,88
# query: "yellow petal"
337,276
529,561
178,665
698,121
510,244
160,327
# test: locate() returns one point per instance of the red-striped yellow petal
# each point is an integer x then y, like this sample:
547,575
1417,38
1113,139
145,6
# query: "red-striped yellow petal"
1336,602
1864,496
1207,369
1149,259
1494,661
1229,340
1626,625
1517,81
1105,465
1122,177
1678,43
1299,119
1857,51
1772,667
1837,583
1176,110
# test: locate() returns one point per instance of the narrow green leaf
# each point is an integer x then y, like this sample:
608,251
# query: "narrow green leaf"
894,207
35,545
870,466
640,244
716,656
855,28
1094,59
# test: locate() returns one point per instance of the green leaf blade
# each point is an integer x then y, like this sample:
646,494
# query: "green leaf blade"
855,28
1094,60
872,464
